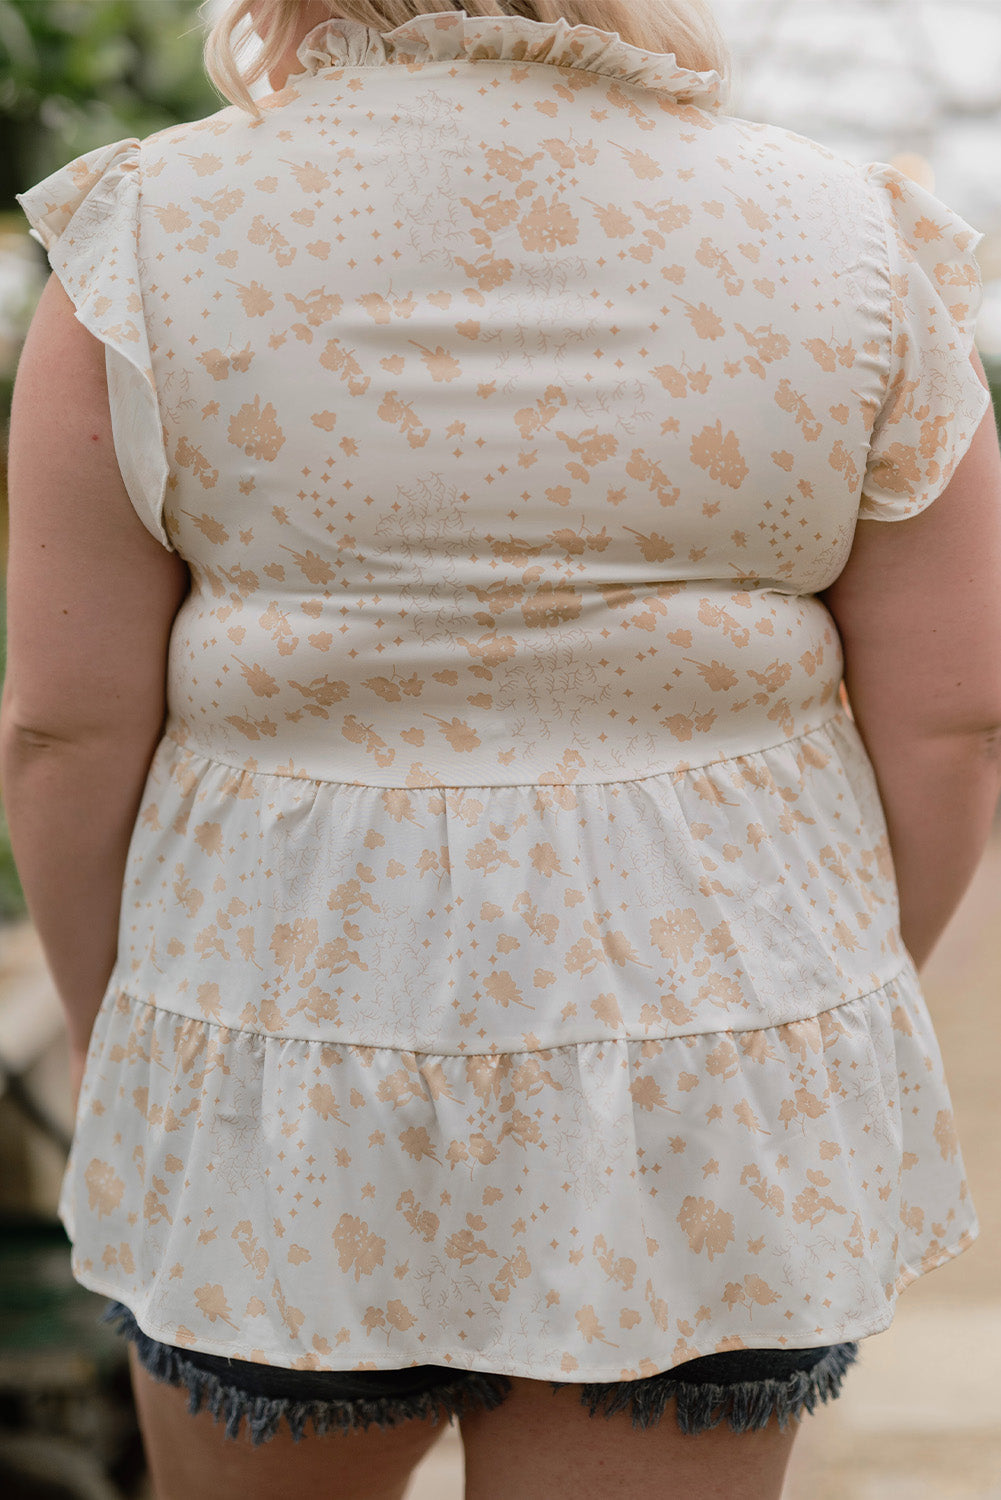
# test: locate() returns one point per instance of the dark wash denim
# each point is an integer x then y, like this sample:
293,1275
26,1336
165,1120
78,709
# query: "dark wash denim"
747,1386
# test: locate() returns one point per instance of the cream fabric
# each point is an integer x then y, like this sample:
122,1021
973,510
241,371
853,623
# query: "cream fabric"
509,970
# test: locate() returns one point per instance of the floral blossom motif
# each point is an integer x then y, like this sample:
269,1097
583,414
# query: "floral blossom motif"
708,1228
358,1248
548,226
719,454
255,430
104,1187
509,966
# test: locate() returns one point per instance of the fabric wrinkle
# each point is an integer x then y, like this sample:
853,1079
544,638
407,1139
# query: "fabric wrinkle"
509,971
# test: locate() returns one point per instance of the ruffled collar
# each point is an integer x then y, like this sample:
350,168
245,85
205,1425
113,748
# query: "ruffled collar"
445,36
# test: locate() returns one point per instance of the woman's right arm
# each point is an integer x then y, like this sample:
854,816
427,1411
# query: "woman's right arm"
918,608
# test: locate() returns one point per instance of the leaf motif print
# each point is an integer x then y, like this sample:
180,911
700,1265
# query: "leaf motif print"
292,1317
211,1302
253,729
768,345
260,681
590,1327
417,1143
642,467
459,734
502,987
185,893
791,401
382,310
223,204
531,420
188,456
717,676
641,163
705,322
488,271
811,1205
323,1102
344,363
422,1221
402,414
615,223
514,1268
205,164
621,1270
392,689
647,1094
754,215
718,618
711,256
592,447
262,232
171,217
321,694
209,527
465,1247
253,1251
310,177
513,164
317,307
276,622
363,734
441,366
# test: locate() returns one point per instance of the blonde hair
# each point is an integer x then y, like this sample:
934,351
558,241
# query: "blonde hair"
685,28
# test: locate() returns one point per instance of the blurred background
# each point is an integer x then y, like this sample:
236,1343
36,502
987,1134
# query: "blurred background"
913,82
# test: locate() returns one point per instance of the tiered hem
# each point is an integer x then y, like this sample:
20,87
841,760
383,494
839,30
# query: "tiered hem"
517,1215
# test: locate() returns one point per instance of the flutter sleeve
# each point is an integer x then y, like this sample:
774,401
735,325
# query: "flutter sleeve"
934,399
86,215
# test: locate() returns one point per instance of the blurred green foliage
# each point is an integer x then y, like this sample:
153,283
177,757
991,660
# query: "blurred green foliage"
77,74
81,73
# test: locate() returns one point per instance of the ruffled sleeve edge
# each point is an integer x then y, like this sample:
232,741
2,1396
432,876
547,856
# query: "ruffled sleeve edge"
86,218
926,232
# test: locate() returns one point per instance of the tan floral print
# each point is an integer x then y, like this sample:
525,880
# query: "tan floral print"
509,969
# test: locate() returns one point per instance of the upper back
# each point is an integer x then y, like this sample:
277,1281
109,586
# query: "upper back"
524,360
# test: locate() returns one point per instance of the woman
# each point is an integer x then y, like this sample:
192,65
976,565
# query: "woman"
446,502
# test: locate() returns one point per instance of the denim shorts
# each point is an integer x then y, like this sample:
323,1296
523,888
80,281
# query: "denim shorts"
746,1386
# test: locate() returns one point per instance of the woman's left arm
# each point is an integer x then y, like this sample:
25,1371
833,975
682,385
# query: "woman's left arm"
91,597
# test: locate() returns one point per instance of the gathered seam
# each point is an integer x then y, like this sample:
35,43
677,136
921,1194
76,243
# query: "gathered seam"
674,773
598,1041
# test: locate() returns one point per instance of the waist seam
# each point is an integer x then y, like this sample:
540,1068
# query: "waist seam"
684,769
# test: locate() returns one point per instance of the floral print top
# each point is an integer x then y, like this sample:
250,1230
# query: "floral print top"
509,972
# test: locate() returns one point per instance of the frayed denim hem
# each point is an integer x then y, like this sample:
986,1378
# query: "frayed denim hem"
747,1404
264,1414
